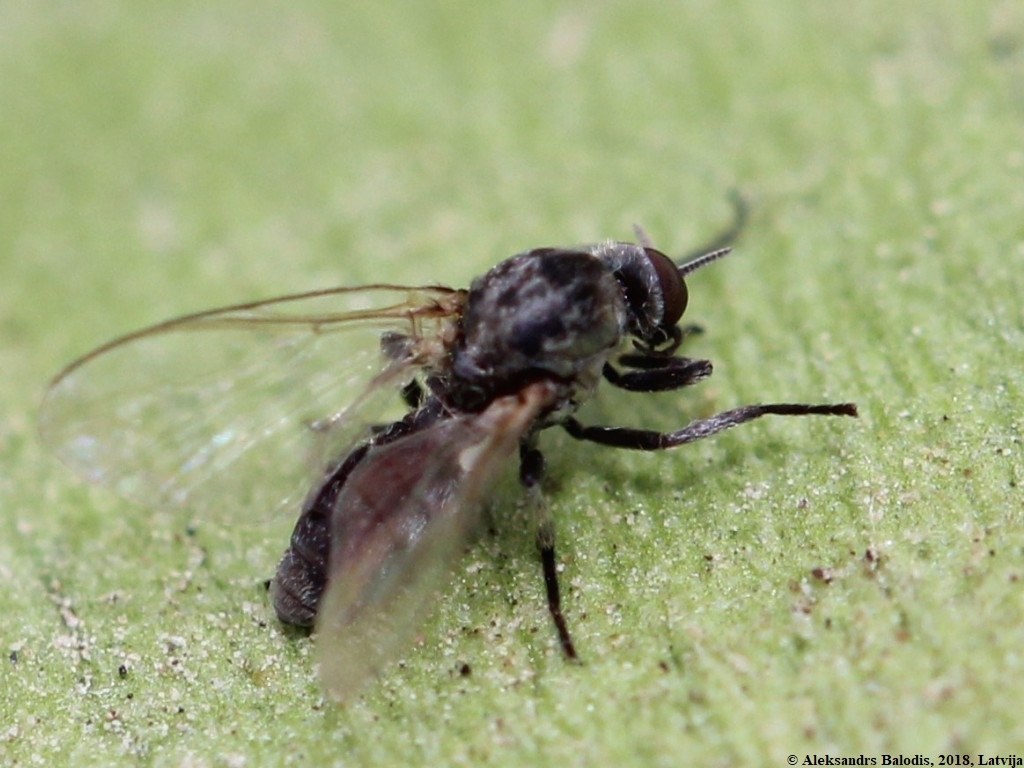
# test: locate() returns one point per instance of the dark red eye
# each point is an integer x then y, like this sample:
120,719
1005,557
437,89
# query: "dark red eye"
674,295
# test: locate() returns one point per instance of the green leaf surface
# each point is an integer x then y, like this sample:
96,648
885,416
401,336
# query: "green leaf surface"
794,587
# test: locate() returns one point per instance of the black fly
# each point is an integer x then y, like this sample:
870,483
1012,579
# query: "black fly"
191,412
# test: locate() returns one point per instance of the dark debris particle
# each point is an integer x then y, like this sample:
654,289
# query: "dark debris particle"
465,670
872,561
823,574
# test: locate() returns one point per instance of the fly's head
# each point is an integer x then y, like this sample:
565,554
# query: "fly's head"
557,314
654,290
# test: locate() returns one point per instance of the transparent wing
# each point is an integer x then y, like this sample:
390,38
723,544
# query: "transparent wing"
240,406
401,523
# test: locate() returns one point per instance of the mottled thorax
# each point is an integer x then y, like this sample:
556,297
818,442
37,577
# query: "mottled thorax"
548,310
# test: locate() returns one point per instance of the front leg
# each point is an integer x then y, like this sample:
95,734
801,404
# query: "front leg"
658,374
649,440
531,472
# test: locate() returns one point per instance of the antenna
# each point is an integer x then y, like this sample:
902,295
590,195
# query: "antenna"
703,260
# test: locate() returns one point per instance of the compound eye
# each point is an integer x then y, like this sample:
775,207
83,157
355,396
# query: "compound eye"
674,295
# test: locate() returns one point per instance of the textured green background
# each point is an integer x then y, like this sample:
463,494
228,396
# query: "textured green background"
163,157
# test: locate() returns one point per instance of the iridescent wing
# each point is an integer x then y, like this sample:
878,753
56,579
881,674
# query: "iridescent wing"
237,408
401,523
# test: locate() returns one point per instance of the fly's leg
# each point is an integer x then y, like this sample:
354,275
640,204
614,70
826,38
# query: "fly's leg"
649,440
658,374
531,471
